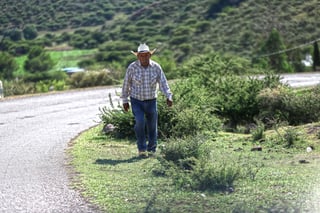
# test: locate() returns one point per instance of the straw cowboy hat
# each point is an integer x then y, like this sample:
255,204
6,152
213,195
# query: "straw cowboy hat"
143,48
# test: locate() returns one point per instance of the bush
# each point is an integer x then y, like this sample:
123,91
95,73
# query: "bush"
285,104
235,98
190,114
214,176
190,121
86,63
42,86
290,137
271,105
7,66
179,149
45,76
230,93
258,133
90,79
38,61
122,121
303,108
18,87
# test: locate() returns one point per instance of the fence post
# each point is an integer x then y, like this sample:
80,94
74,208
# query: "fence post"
1,90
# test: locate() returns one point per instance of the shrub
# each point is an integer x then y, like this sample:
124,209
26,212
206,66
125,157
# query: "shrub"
258,133
214,176
303,108
190,114
290,137
7,66
190,121
17,87
58,85
179,149
86,63
38,61
30,32
122,121
235,98
90,79
44,76
230,93
271,105
285,104
42,86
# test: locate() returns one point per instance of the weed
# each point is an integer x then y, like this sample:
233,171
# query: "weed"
290,137
258,133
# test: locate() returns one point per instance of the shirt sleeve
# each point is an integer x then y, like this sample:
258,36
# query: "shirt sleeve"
126,87
164,86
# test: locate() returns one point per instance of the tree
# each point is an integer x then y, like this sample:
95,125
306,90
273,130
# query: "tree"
273,46
38,61
15,35
7,65
316,56
30,32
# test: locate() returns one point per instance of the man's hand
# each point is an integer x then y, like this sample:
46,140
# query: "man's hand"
169,103
126,107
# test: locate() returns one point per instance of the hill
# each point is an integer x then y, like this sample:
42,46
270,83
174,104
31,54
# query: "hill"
185,27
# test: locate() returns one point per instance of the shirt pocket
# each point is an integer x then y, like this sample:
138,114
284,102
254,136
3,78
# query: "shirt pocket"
153,80
136,79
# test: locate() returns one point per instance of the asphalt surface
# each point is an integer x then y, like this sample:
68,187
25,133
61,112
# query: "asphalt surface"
34,134
301,79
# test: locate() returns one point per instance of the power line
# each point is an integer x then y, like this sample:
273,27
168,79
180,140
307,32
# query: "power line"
288,50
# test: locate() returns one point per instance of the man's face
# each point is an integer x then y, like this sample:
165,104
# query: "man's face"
144,58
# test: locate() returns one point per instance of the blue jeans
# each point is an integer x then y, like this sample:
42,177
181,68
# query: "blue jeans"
145,112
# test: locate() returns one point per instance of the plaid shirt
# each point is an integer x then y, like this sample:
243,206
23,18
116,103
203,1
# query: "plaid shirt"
141,83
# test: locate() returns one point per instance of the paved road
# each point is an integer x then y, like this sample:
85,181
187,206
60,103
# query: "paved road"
301,79
34,133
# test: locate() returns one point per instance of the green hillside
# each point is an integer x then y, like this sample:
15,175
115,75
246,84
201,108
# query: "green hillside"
185,27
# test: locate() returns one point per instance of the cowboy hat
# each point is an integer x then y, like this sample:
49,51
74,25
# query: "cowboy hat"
143,48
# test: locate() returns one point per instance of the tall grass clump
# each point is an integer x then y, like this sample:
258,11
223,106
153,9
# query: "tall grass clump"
258,133
190,164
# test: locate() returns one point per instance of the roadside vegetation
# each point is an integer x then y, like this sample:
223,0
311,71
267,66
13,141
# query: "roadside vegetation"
231,143
224,176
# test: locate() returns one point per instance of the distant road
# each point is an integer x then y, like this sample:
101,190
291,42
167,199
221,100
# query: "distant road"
301,79
34,133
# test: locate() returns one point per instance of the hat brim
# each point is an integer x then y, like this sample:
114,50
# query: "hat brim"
136,53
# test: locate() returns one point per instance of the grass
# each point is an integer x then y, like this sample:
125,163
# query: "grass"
110,174
65,58
20,61
69,58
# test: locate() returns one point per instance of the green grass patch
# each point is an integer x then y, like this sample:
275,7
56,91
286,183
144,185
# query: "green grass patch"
69,58
65,58
20,61
276,179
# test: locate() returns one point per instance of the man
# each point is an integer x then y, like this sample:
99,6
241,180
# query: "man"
140,84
